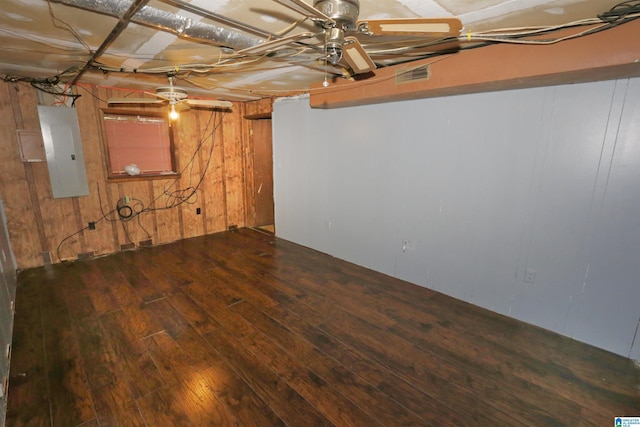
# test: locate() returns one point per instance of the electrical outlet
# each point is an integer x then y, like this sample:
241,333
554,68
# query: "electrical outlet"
198,211
92,225
407,245
529,275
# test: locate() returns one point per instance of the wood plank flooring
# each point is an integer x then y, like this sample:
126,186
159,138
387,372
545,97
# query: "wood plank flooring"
244,329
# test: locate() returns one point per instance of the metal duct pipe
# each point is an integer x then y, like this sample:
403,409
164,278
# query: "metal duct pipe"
169,22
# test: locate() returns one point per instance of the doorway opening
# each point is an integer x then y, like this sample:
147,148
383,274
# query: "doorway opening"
263,174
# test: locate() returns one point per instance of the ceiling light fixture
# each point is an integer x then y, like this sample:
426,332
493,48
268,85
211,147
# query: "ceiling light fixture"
173,114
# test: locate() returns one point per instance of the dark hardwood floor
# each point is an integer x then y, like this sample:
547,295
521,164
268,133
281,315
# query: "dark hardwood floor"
242,328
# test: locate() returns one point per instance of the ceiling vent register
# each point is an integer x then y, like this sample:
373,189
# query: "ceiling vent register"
414,74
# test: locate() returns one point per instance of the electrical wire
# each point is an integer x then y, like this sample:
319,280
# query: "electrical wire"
520,38
621,12
230,62
91,92
67,238
64,26
104,216
47,85
127,211
617,15
179,195
288,29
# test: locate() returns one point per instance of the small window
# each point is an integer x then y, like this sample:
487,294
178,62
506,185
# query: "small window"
144,140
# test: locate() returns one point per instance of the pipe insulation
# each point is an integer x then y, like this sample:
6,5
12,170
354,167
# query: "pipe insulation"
162,20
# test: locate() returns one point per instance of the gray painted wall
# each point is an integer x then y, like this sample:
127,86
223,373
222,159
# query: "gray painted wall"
478,195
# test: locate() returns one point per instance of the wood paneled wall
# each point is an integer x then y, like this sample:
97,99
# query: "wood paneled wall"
44,229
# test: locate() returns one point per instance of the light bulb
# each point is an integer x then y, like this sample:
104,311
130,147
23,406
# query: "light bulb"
173,114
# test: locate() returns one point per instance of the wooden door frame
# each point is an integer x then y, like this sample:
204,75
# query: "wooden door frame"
255,110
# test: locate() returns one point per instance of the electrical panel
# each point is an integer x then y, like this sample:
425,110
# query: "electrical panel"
63,148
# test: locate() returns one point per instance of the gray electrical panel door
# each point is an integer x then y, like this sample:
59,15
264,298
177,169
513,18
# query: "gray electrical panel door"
63,147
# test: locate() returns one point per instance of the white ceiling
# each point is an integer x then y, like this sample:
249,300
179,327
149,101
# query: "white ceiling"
40,39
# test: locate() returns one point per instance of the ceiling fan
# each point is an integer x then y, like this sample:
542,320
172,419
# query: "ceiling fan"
175,97
339,22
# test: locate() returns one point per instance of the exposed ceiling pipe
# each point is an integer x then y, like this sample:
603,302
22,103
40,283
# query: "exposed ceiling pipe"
219,18
166,21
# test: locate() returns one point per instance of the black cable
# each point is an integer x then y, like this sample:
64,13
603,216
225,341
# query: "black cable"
65,26
141,226
104,215
620,12
178,197
617,15
206,167
51,89
90,92
67,238
127,212
126,232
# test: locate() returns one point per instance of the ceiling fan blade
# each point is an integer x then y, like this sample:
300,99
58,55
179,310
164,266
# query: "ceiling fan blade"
440,27
214,103
135,101
307,10
357,58
274,44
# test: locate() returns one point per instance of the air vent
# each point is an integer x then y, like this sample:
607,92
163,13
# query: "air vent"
413,74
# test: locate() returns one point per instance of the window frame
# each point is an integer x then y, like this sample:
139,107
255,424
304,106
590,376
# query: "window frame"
173,155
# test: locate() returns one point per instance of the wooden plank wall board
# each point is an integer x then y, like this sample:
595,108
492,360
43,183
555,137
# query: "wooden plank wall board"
231,130
205,160
167,220
104,238
14,188
39,223
215,198
190,140
249,184
258,108
135,228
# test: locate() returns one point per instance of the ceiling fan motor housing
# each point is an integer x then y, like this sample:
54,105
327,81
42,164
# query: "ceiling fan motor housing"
171,93
344,12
